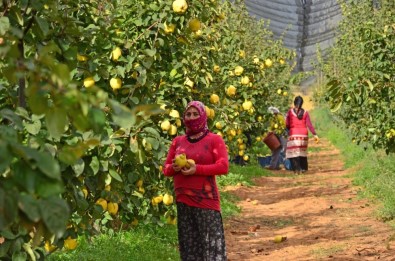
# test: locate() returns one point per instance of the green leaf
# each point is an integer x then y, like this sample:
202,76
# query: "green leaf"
78,167
95,165
133,144
48,165
19,256
33,128
97,118
9,203
150,52
47,188
61,74
38,101
337,106
7,133
173,73
371,87
55,213
42,24
56,121
30,206
122,116
152,131
5,156
26,177
115,175
5,247
4,25
44,161
12,116
154,142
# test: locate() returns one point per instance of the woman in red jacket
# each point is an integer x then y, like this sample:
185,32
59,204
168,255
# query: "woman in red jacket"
298,123
199,220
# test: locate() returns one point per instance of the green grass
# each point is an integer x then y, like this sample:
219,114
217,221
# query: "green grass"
242,174
145,243
327,127
374,170
328,251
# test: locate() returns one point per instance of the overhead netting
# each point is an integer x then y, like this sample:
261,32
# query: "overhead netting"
304,25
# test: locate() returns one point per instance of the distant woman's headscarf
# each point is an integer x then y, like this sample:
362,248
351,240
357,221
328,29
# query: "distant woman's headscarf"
298,102
198,125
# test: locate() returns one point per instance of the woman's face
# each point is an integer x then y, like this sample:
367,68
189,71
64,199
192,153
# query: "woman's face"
192,113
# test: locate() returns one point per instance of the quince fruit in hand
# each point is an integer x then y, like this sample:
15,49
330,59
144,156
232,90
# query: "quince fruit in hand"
181,160
189,162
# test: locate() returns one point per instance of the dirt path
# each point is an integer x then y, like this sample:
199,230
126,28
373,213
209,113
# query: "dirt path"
319,213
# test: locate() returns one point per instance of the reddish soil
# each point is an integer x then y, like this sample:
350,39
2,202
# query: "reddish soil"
320,213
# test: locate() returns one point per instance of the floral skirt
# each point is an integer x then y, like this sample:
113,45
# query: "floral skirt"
200,234
297,146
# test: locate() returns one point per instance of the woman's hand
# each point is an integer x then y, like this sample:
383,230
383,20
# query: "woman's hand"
189,170
316,139
175,166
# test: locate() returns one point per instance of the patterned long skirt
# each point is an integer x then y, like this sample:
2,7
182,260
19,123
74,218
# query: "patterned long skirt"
297,152
200,234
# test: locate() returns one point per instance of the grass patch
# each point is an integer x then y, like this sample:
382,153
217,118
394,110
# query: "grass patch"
145,243
315,149
328,251
375,171
228,205
328,127
242,174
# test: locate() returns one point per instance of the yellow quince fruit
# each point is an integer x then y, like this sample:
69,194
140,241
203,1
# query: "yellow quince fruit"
70,243
238,70
165,125
167,199
268,63
247,105
174,114
231,91
103,203
180,6
181,160
82,58
194,25
89,82
115,83
112,208
169,28
245,80
214,98
173,130
116,54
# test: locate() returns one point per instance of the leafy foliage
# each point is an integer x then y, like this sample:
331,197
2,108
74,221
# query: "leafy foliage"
84,88
361,72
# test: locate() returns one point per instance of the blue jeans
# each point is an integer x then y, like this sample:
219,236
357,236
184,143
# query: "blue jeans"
278,155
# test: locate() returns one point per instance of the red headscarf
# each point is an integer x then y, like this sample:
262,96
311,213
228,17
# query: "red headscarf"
197,125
